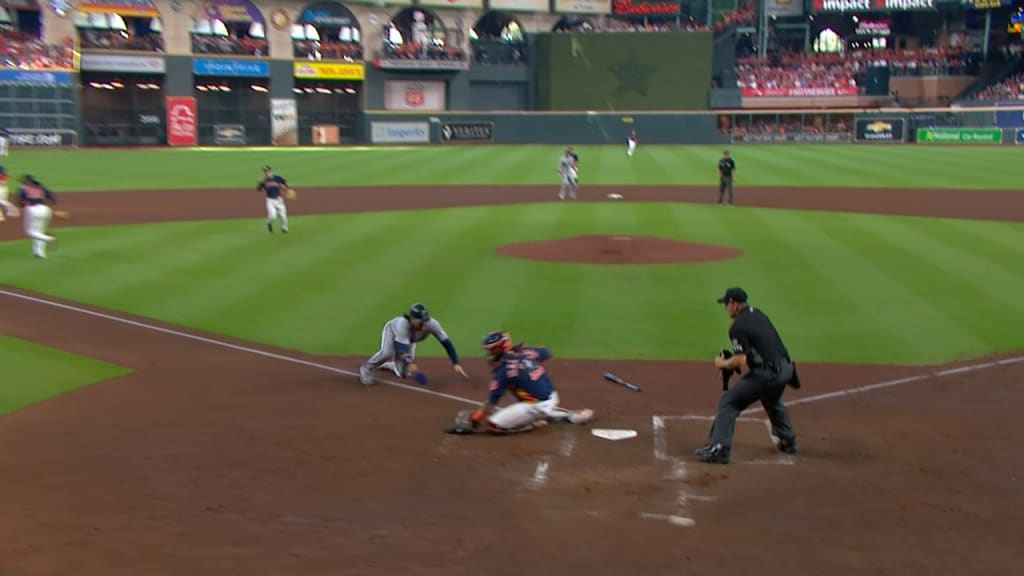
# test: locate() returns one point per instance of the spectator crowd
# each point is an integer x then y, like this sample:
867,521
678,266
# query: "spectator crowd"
1011,88
840,71
241,45
417,51
315,50
120,40
18,50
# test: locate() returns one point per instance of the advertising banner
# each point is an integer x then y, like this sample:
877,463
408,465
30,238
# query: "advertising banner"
328,14
457,4
35,77
519,5
225,68
582,6
399,132
1019,138
330,71
181,121
855,6
228,10
872,27
414,95
136,8
284,122
645,8
960,135
797,92
882,130
39,138
785,7
468,132
838,138
1010,118
229,135
92,62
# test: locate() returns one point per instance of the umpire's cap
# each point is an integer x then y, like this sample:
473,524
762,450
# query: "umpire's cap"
419,312
734,294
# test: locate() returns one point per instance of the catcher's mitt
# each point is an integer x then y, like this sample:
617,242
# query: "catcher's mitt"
463,424
290,194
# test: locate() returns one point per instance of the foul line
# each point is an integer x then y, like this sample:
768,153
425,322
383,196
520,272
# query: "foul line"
237,347
892,383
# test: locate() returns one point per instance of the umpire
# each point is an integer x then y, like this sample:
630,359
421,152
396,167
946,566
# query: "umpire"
726,166
757,345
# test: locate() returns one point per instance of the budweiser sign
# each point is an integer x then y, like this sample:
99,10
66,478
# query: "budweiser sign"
798,92
644,8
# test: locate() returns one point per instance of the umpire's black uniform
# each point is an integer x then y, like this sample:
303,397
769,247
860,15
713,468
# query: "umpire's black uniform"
770,370
726,166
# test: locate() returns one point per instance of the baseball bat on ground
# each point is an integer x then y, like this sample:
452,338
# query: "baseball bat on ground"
613,378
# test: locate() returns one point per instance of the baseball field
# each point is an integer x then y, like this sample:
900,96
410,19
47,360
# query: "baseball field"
179,390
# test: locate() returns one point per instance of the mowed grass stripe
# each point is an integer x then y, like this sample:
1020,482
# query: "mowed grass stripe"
273,288
997,237
857,165
911,286
956,276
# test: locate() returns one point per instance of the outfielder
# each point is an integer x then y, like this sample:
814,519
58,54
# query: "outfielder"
398,346
632,143
568,169
274,186
6,208
36,202
520,371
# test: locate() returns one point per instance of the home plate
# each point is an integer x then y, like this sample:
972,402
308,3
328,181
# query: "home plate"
615,196
613,434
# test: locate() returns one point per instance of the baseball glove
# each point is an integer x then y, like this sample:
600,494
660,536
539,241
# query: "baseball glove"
463,424
290,194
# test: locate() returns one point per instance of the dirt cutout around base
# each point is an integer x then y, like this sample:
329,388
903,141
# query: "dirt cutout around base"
597,249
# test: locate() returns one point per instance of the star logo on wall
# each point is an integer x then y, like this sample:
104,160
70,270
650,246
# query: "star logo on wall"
633,73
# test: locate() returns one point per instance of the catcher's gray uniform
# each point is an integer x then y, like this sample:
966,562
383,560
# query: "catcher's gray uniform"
567,169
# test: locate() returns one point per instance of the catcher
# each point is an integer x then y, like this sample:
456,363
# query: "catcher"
520,371
276,188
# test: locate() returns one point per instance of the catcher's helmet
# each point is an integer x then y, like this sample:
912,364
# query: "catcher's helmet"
497,343
419,312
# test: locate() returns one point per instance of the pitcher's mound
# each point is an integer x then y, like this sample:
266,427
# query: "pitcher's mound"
618,250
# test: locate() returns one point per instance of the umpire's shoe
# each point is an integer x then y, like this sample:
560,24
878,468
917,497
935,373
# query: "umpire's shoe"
787,446
713,453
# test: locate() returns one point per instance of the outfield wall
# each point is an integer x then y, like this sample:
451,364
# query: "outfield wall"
723,127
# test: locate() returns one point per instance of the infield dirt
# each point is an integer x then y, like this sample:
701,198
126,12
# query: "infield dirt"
216,460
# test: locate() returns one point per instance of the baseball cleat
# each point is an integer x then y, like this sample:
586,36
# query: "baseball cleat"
787,446
365,376
713,453
581,416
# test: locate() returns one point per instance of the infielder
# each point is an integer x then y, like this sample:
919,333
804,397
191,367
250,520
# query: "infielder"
273,186
520,371
398,346
568,169
36,202
6,208
631,143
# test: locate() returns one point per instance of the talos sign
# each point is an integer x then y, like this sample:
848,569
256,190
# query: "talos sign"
181,121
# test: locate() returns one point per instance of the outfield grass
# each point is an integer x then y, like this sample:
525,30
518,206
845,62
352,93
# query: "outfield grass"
34,373
877,166
841,287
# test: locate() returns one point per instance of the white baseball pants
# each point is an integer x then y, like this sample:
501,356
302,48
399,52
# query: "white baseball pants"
523,414
276,209
37,219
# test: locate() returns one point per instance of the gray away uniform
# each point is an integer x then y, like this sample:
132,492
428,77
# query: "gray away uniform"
567,168
399,330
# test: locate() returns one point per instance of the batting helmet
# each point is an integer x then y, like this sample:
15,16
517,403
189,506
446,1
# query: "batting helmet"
419,312
497,343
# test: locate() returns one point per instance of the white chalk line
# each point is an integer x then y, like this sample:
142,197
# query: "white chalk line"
237,347
540,474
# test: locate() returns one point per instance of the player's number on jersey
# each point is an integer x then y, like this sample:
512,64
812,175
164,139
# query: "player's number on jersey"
532,368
